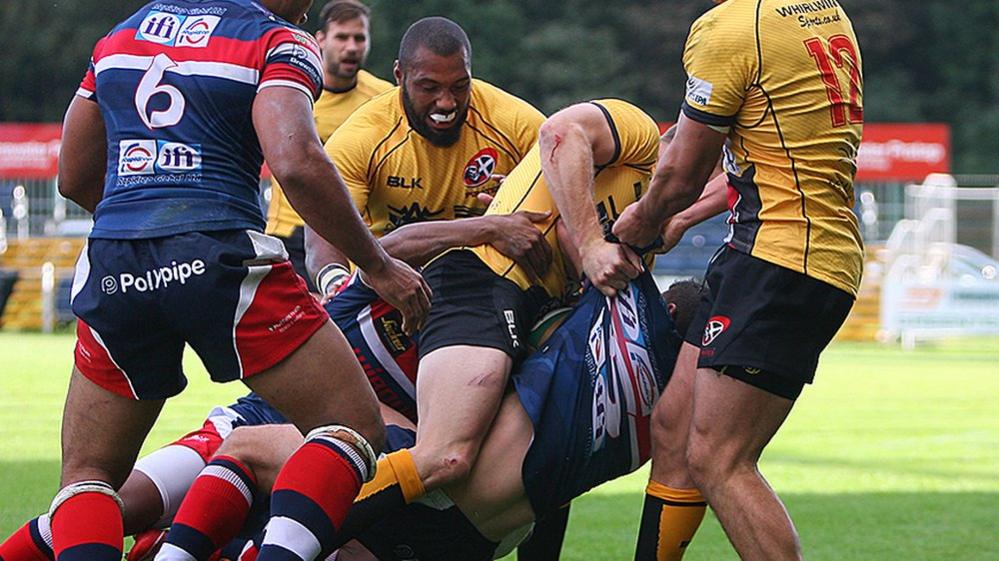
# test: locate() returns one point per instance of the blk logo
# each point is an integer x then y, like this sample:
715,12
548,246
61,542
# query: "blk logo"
715,327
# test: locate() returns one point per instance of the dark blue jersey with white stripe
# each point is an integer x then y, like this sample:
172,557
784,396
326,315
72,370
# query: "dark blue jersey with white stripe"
176,83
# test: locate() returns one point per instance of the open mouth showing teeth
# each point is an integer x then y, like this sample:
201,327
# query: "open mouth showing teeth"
438,118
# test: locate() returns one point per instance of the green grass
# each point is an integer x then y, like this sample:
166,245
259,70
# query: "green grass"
891,455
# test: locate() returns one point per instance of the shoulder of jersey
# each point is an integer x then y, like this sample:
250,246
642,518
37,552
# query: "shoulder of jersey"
374,118
372,85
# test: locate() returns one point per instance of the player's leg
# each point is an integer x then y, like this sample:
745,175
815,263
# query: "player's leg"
732,423
101,436
221,496
322,389
673,507
273,335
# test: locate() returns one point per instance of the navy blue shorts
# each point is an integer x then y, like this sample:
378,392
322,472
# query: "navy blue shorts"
590,391
374,330
231,295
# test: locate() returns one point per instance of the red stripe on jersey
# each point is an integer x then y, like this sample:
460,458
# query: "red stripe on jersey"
281,318
95,363
220,49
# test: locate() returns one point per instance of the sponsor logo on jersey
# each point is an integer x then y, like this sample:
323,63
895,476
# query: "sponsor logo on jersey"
176,157
153,279
511,327
400,182
596,342
196,31
698,91
480,168
159,27
715,327
175,30
136,157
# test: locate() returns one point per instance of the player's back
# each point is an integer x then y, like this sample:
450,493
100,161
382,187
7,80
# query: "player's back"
175,83
786,76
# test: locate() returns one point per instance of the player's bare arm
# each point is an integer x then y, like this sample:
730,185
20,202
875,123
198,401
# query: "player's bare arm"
678,182
513,235
573,143
284,123
83,158
713,200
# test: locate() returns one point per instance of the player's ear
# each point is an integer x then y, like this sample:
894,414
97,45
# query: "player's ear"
671,308
397,72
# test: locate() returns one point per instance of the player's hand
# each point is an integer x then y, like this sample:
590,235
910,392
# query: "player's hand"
610,266
673,231
403,288
517,237
634,228
485,198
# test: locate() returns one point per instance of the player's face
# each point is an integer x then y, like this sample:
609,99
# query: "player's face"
435,93
345,46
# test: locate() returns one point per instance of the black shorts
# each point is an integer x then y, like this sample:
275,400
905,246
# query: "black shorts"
765,324
295,246
474,306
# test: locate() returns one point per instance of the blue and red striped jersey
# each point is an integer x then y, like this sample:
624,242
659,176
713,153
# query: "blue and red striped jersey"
175,83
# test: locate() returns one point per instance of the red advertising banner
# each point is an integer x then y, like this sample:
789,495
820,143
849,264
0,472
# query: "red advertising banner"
903,152
889,152
899,151
29,150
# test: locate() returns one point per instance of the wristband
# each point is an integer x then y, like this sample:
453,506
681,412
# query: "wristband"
330,277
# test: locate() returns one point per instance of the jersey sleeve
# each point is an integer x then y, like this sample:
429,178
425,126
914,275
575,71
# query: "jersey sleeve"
351,154
88,86
292,60
636,134
720,59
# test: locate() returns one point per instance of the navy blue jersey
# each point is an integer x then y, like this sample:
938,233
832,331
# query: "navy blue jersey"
590,391
175,83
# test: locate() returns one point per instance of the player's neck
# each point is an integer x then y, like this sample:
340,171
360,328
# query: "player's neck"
335,84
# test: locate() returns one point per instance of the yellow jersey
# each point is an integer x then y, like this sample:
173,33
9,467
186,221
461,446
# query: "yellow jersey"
397,177
331,110
617,184
786,77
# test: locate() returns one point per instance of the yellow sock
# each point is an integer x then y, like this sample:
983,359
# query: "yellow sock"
399,469
669,520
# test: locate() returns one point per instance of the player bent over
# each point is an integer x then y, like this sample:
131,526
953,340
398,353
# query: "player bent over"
164,143
485,302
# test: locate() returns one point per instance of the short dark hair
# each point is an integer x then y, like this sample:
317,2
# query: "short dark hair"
686,295
341,11
440,35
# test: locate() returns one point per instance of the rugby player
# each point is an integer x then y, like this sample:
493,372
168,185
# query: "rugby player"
164,142
484,299
343,38
426,149
578,416
788,94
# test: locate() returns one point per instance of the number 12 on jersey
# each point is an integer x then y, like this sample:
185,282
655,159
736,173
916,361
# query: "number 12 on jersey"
843,53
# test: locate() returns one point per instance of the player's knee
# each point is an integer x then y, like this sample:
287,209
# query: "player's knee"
668,436
262,450
712,464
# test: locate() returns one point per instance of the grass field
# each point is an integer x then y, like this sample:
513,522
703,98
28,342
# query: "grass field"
893,455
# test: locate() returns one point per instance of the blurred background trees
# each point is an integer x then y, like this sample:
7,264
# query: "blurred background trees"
927,60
